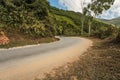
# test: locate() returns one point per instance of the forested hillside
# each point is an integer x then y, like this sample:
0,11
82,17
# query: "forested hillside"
32,19
97,28
115,21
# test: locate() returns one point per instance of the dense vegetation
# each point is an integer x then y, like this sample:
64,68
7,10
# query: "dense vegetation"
98,27
32,19
25,16
25,21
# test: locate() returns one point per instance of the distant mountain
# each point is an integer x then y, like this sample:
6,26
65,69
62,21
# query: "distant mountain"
115,21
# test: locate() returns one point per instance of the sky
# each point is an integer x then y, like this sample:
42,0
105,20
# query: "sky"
74,5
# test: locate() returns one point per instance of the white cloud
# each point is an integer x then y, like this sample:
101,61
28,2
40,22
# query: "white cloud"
74,5
113,12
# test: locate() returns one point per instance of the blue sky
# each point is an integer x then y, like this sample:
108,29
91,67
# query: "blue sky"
74,5
56,3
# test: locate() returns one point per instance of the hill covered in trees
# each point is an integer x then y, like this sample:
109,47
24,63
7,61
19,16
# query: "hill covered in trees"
35,19
115,21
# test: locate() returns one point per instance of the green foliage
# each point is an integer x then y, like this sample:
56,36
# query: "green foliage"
26,16
117,40
98,6
103,32
36,18
65,26
75,19
117,36
74,16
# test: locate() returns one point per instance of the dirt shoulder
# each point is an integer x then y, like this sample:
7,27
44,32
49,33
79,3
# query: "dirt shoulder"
100,62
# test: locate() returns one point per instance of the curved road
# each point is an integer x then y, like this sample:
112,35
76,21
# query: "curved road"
32,61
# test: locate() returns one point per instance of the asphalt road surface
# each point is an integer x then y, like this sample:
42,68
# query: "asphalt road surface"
29,62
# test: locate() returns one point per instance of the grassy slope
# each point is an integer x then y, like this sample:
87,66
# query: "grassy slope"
101,62
63,18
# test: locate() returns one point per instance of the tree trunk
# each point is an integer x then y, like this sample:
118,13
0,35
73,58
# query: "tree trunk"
89,28
82,25
82,28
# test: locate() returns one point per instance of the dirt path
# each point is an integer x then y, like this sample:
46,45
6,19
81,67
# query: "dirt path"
40,59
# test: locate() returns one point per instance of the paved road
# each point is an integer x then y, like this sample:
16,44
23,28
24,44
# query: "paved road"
13,61
19,53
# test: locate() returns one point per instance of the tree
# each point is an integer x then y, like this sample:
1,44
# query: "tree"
89,24
95,8
98,6
82,18
89,18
